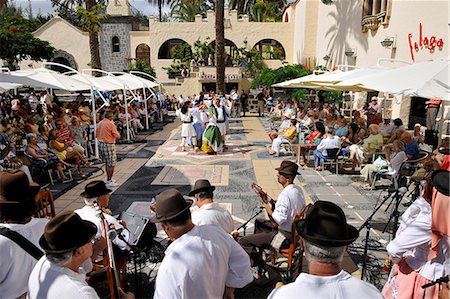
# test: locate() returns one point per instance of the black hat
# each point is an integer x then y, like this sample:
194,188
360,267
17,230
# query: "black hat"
66,232
170,204
441,180
444,150
15,188
325,224
95,189
201,186
288,167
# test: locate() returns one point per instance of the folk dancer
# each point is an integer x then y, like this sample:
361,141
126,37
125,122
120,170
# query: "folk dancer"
214,135
187,129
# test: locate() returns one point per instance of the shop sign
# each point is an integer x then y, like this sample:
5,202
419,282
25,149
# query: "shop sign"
429,43
212,77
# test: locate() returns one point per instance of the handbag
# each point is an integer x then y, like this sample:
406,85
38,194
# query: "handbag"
23,243
380,162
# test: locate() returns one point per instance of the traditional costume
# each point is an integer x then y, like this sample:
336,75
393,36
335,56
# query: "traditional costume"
212,141
187,129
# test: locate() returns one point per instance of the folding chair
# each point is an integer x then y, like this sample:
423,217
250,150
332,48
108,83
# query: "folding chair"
332,158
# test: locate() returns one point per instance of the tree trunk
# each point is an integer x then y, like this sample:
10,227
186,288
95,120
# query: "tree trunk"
3,4
220,47
160,3
94,44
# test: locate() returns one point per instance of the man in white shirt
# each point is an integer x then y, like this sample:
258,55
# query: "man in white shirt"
386,128
329,142
209,212
17,206
290,201
325,237
202,261
96,193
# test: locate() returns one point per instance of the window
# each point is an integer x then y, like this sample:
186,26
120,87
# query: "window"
166,51
270,49
143,53
115,44
375,13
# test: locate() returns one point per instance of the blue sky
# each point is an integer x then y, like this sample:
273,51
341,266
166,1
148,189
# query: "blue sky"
45,6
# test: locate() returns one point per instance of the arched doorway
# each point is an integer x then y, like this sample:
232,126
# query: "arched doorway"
270,49
230,49
166,51
62,57
143,53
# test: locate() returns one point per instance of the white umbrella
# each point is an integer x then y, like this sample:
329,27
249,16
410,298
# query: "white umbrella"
47,78
298,82
5,86
133,82
98,83
428,79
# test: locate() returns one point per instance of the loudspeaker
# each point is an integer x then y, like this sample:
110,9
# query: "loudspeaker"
142,230
431,138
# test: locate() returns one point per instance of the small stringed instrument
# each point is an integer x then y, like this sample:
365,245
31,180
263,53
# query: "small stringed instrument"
263,196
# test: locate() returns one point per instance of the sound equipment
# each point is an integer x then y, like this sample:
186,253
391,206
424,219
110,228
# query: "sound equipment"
431,137
142,230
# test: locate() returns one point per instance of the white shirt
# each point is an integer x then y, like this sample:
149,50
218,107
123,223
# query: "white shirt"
186,117
196,117
16,263
413,237
340,286
90,214
290,201
213,213
200,264
49,280
328,143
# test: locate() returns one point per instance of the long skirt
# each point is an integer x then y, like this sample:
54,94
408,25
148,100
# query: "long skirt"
212,139
408,285
187,130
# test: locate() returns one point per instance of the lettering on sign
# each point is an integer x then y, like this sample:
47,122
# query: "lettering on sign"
424,43
228,77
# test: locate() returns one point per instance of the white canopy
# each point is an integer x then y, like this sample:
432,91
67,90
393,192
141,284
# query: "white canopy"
5,86
46,78
99,83
132,82
299,82
428,79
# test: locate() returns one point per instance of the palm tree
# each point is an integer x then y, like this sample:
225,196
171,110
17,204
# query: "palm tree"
90,13
160,4
220,47
275,7
186,10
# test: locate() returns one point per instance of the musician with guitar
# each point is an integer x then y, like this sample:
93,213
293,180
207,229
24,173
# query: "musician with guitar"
67,242
275,232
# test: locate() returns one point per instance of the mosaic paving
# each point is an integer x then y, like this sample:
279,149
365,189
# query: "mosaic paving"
188,174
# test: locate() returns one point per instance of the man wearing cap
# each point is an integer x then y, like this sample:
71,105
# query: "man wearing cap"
17,206
386,128
209,212
290,201
96,193
325,237
202,261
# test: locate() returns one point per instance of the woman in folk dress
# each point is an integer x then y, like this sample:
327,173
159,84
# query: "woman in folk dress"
187,129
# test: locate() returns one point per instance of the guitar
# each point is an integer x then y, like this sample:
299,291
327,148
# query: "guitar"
263,196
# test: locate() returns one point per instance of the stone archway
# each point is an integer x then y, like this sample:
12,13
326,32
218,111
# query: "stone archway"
65,58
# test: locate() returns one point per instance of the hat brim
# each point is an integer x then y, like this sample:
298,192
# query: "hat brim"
444,150
86,195
156,219
441,182
32,191
352,235
203,189
87,227
288,173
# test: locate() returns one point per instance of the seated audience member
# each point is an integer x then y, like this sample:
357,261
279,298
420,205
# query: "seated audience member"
307,119
288,136
398,127
17,206
78,131
329,142
6,127
209,212
96,193
284,126
412,149
441,156
341,127
325,238
371,144
362,131
329,120
312,140
386,128
65,136
409,253
10,161
61,151
417,134
197,254
51,160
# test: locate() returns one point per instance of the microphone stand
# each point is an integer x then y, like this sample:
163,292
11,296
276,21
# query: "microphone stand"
444,279
368,225
395,213
244,226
